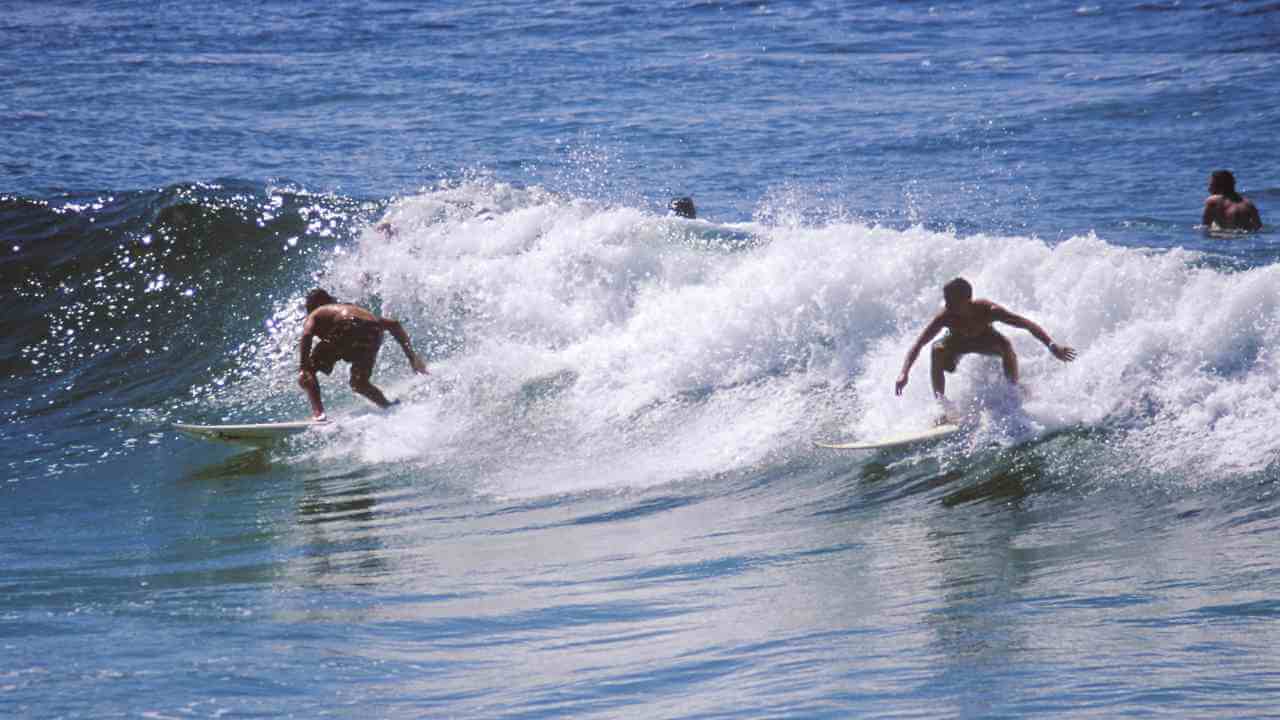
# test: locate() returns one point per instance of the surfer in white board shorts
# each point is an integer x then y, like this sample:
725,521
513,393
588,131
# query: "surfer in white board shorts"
346,332
1226,208
969,330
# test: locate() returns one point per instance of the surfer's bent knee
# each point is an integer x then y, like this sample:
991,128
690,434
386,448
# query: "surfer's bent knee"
945,357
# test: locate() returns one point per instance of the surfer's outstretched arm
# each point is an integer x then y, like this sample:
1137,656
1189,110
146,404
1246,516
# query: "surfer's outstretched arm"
930,332
1062,352
397,331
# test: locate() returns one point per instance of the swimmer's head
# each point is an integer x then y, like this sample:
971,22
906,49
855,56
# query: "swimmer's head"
1222,182
683,206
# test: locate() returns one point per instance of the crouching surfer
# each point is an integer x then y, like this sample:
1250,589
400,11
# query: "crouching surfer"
347,332
969,325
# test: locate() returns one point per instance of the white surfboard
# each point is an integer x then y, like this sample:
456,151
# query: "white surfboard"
895,440
252,434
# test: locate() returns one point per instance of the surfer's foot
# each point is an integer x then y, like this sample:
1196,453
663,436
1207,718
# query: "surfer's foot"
949,412
320,418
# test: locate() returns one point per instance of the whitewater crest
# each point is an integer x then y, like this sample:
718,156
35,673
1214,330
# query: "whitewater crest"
576,344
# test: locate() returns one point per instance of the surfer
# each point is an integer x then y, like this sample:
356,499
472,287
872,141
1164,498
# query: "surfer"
683,207
351,333
969,330
1226,208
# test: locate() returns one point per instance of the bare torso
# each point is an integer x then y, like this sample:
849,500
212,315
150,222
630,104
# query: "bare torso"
974,320
344,332
330,321
1228,213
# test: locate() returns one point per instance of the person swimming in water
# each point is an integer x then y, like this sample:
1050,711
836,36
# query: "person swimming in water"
1227,209
683,207
347,332
969,330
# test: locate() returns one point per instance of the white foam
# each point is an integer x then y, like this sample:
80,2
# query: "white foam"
596,346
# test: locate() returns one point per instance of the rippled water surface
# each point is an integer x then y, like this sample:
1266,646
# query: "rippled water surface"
604,501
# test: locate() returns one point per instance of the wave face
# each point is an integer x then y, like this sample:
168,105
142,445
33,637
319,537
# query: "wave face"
611,466
566,335
127,303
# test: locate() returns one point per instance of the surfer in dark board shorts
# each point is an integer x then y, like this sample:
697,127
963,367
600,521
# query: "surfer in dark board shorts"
351,333
969,330
1226,208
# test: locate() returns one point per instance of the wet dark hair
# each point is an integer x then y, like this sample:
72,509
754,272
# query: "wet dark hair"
683,206
318,297
1225,182
957,289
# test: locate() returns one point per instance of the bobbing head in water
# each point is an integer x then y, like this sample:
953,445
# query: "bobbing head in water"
1222,182
683,206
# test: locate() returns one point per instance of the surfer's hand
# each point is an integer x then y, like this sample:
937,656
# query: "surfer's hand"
902,382
1063,353
418,366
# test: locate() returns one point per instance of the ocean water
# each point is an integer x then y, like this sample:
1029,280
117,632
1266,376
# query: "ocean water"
604,500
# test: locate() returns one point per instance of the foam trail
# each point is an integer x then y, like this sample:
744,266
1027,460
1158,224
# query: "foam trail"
581,346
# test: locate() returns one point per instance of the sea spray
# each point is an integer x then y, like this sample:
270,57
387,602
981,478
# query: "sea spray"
573,343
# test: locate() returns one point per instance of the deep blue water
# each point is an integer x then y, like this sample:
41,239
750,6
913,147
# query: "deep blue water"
604,501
